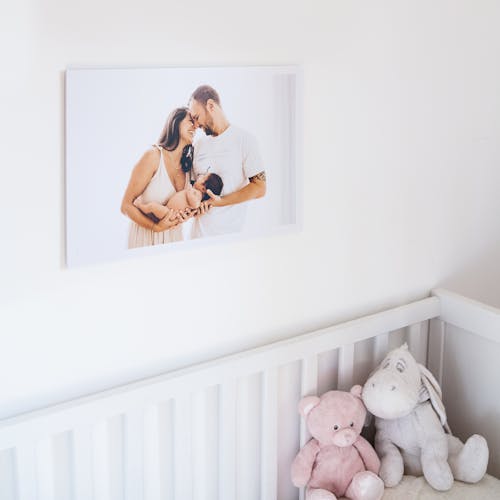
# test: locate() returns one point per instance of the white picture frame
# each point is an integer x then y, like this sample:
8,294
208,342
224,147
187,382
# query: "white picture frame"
113,115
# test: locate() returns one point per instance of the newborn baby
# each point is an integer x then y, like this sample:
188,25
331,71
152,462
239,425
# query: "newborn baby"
189,198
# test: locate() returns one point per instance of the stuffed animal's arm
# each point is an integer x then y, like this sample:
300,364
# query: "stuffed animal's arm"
391,461
303,463
368,455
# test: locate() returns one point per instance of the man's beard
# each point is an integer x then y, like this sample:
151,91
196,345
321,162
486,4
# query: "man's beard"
209,128
208,131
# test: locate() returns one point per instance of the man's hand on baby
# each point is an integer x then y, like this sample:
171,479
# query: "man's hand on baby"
215,200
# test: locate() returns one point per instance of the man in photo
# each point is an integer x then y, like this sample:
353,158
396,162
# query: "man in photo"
233,154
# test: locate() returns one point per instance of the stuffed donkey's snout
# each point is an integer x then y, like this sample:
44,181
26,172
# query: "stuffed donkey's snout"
387,387
386,396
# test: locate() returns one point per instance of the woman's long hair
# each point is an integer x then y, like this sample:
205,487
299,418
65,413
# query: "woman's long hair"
170,137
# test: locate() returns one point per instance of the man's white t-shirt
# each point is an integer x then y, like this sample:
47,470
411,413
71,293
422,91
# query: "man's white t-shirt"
234,156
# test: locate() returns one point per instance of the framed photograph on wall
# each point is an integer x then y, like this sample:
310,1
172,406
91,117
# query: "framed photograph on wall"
162,159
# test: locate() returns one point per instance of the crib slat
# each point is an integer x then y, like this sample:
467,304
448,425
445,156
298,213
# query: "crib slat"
82,453
205,442
211,443
309,387
417,341
7,474
346,367
166,445
152,481
269,439
183,480
63,466
116,441
134,458
435,349
200,445
45,469
26,471
309,378
227,440
100,460
248,437
380,348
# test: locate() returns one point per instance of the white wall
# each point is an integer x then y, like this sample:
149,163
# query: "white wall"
401,176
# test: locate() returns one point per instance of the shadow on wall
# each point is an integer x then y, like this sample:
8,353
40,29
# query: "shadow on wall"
479,279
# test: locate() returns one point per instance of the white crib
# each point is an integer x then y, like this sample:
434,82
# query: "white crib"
228,429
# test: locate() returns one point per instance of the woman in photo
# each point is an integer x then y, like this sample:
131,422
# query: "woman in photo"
162,171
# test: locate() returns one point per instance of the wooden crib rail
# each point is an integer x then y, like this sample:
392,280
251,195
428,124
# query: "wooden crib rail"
468,314
221,430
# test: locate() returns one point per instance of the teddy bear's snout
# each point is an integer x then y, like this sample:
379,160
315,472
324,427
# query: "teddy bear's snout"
345,437
350,437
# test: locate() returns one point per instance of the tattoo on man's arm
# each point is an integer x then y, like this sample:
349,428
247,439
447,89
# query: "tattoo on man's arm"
261,176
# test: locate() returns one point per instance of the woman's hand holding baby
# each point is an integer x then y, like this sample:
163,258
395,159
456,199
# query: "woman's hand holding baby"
202,209
174,218
170,220
186,214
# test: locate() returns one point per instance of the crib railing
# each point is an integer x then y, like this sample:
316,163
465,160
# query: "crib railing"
223,430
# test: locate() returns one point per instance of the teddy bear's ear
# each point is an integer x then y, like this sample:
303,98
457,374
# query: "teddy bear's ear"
356,391
307,404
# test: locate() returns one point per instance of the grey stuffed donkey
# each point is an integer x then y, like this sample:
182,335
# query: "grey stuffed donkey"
410,427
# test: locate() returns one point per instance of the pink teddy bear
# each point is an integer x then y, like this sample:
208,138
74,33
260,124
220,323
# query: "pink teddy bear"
337,461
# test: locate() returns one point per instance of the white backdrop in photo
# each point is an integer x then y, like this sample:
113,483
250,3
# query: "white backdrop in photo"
114,115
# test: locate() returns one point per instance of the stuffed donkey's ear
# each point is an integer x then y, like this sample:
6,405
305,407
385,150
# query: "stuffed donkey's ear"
430,390
307,404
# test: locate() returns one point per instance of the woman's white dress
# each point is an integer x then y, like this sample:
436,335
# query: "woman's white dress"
159,189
